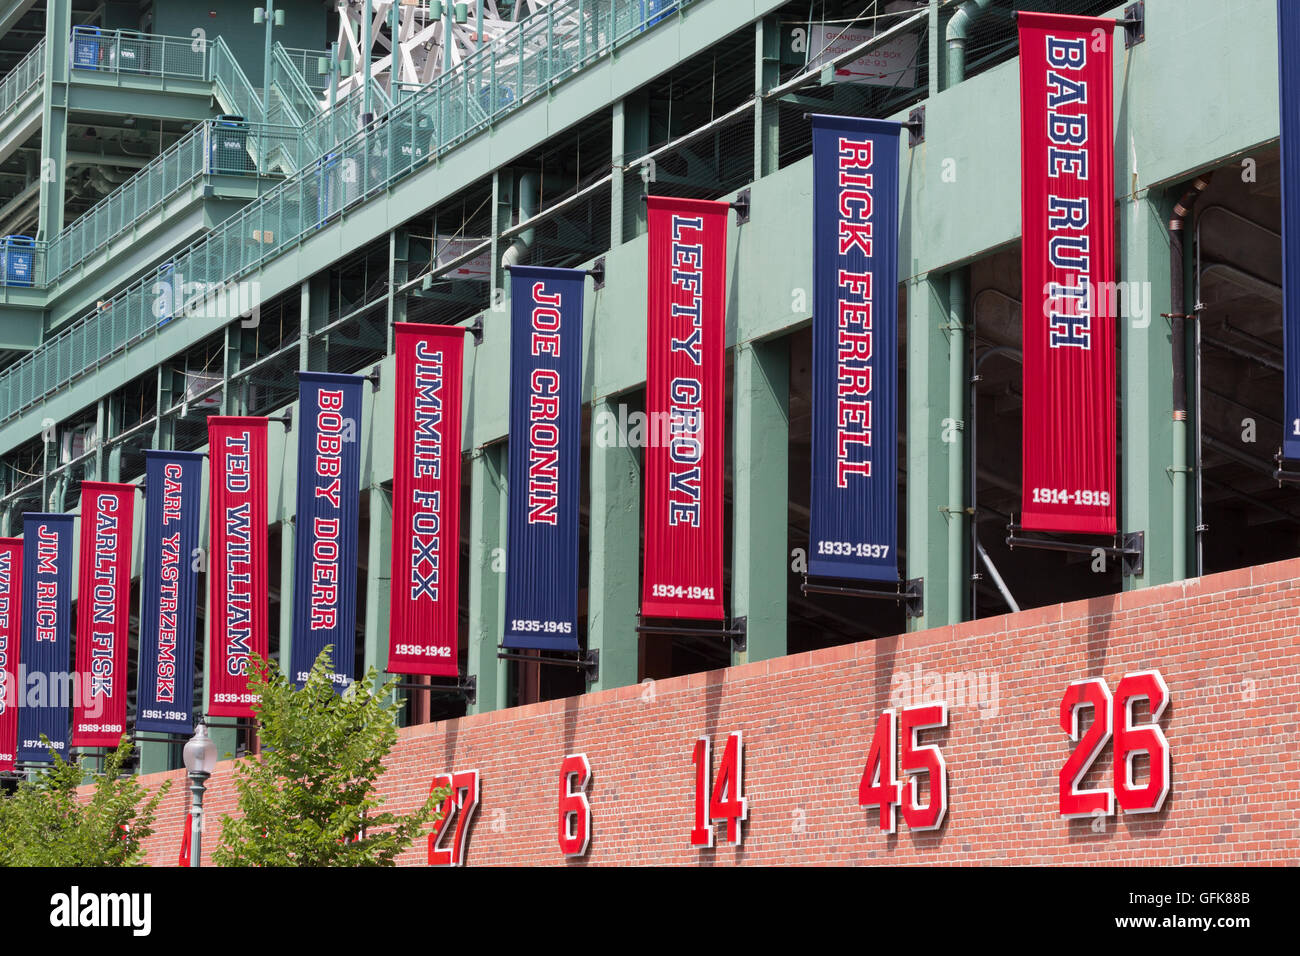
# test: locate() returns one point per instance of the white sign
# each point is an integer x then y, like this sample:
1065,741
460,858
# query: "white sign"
893,64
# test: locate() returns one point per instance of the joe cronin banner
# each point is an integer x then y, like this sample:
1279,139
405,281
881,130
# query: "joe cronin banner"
1288,38
684,388
11,583
424,611
1068,222
325,546
169,592
854,500
237,560
103,613
545,458
46,636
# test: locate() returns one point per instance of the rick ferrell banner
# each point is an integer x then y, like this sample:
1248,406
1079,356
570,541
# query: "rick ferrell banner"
11,584
854,498
103,613
545,458
1068,315
1288,39
169,592
237,560
46,636
424,614
325,546
686,337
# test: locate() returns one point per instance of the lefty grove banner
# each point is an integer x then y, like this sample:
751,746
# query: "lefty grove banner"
1288,39
325,546
545,458
11,583
854,500
46,636
1068,221
684,399
169,591
237,560
424,610
103,613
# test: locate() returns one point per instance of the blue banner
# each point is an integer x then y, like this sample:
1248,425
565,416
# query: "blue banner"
325,530
545,456
46,654
1288,39
854,499
173,504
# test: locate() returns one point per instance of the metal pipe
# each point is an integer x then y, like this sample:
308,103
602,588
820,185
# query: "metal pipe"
266,63
527,209
364,58
957,34
958,282
997,578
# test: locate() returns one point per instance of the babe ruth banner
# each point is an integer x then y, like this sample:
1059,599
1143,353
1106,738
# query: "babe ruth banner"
173,486
46,646
1288,38
237,560
325,546
11,584
103,613
854,500
682,577
424,611
545,458
1068,222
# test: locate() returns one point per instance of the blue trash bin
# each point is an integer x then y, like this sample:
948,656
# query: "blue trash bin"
327,187
19,259
86,48
165,291
228,146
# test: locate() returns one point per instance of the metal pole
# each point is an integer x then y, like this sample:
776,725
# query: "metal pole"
364,60
197,782
266,63
334,74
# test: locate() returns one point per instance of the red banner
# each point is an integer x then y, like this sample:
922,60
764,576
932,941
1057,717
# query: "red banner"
1068,314
686,331
11,590
103,613
423,622
236,560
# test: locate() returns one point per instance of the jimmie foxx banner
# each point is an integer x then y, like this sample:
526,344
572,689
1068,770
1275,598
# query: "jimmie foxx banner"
1288,38
168,591
684,390
545,458
237,560
854,501
46,635
11,583
1067,209
325,546
423,616
103,613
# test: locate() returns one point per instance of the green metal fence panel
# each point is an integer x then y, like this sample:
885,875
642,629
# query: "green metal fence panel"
129,52
23,78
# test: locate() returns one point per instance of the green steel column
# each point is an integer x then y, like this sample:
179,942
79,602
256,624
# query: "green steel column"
378,578
958,382
616,193
636,143
399,245
225,738
286,595
54,119
767,116
487,575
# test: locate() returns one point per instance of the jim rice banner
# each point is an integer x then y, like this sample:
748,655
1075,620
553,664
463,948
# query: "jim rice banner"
682,576
1068,221
103,613
11,583
237,560
854,500
325,546
1288,38
424,612
545,458
46,646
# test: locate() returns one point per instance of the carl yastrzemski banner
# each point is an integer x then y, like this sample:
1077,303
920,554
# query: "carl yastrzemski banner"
46,636
684,389
1068,224
1288,42
11,582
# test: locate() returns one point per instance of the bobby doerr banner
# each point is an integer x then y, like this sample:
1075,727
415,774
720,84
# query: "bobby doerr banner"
854,500
11,583
1288,39
684,387
325,546
545,458
47,636
1068,223
168,591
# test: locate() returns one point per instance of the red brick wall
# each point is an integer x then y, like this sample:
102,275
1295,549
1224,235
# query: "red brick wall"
1226,645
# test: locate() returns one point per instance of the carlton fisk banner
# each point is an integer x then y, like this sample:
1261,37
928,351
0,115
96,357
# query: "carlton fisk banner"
545,458
1068,221
424,613
46,636
854,500
11,583
237,560
1288,38
103,613
169,591
325,549
684,389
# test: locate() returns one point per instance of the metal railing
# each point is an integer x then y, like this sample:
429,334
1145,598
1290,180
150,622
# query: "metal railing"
127,52
294,101
19,81
232,84
305,63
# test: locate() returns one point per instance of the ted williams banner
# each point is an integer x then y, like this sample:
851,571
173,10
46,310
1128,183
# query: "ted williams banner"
46,636
686,336
545,458
237,560
1288,38
325,548
11,583
424,615
173,486
854,500
1068,223
103,613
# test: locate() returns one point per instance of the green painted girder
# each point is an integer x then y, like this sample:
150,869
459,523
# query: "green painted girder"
11,11
149,96
20,123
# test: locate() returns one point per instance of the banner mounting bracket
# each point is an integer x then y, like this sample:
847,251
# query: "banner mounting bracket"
466,687
476,330
1134,23
741,205
373,379
597,273
1129,547
736,635
915,127
910,593
286,419
588,662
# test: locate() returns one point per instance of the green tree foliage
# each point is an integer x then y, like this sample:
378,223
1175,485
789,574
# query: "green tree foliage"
310,799
43,823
